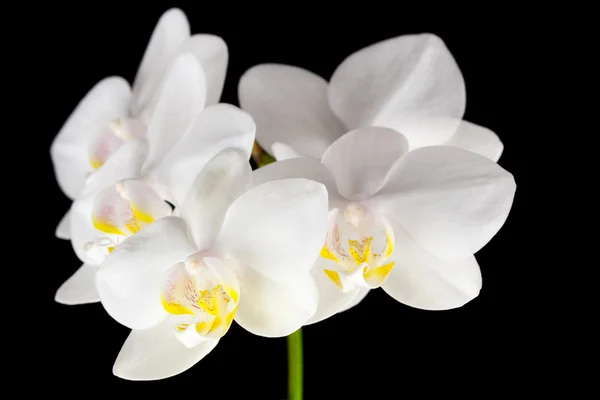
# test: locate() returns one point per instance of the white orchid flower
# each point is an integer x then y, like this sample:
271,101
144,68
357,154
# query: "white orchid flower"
408,222
232,254
181,138
112,113
410,83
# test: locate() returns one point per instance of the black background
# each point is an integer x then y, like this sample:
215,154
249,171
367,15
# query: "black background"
380,349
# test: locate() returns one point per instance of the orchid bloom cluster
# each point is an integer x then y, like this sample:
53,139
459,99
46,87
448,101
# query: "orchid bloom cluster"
378,182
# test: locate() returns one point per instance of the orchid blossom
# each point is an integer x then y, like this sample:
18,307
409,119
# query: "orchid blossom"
409,222
182,136
410,83
112,113
236,252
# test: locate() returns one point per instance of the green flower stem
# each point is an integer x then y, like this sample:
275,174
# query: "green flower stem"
294,342
265,160
261,157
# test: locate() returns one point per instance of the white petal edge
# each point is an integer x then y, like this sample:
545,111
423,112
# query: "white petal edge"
477,139
156,353
449,200
421,280
106,101
181,98
360,296
79,288
171,30
125,163
83,230
409,83
63,229
218,127
303,167
289,105
274,309
212,53
130,278
361,160
282,151
278,227
222,180
331,299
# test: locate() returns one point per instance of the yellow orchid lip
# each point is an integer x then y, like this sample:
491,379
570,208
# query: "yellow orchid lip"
349,244
131,220
121,211
193,289
95,162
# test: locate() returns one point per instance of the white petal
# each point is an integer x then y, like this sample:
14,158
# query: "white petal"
307,168
289,105
106,141
106,101
451,201
422,280
331,299
79,288
361,160
477,139
277,228
125,163
274,309
218,127
130,278
169,34
156,353
63,230
212,53
83,231
281,151
222,180
360,295
405,83
181,98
